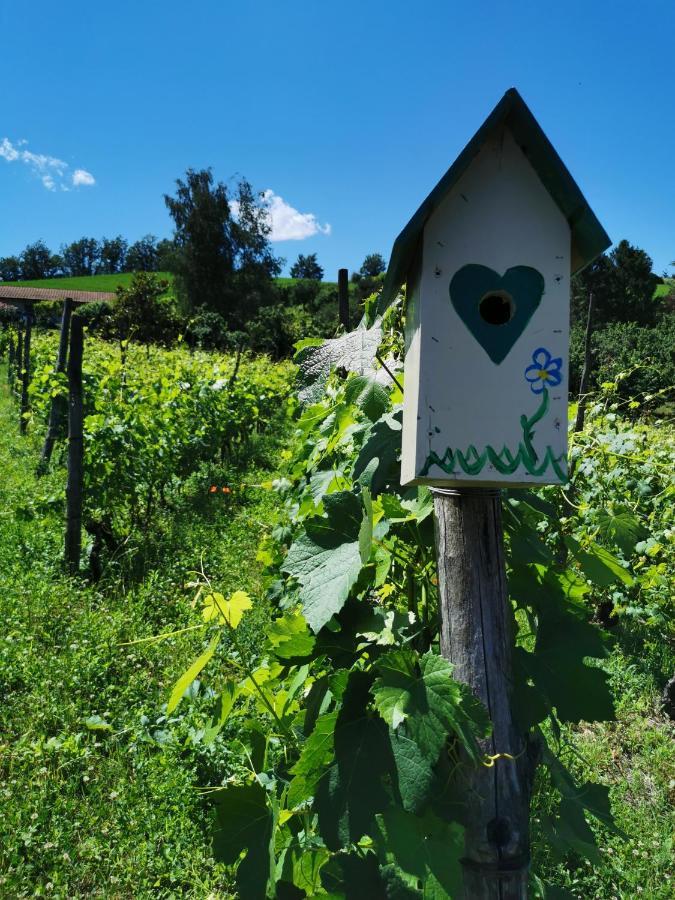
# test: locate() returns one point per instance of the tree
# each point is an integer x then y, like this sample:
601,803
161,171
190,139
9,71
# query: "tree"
373,265
142,256
222,258
307,267
10,268
141,313
623,286
37,262
113,254
165,253
81,257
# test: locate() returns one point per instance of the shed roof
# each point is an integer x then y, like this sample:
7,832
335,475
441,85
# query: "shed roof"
15,293
589,238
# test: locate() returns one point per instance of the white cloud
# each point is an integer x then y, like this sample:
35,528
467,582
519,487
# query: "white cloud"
81,176
287,223
52,172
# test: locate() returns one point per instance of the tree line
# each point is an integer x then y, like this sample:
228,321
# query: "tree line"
87,256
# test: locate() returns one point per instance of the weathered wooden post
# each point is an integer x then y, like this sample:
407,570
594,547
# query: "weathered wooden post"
10,359
58,408
25,372
18,357
343,298
74,483
487,259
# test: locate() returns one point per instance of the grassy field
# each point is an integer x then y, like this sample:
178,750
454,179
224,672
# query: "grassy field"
88,282
112,282
100,794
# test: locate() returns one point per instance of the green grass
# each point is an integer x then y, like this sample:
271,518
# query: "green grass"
111,282
114,812
665,289
88,282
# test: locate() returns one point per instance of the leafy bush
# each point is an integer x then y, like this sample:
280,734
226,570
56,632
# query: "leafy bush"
639,360
152,415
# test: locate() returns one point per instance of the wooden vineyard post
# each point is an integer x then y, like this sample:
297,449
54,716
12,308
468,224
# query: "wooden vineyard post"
25,373
343,298
74,483
10,359
18,357
58,408
477,636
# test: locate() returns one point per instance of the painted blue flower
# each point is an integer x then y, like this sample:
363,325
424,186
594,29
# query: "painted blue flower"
544,371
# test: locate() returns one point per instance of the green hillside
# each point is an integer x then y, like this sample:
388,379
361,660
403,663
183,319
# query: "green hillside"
88,282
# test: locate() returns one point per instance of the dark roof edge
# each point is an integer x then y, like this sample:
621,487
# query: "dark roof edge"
589,238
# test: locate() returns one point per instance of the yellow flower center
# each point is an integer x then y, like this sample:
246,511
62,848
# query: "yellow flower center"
543,374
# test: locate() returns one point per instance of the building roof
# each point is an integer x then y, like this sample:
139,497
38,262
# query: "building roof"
13,293
589,238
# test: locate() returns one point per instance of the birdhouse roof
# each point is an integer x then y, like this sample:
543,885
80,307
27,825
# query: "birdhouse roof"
589,238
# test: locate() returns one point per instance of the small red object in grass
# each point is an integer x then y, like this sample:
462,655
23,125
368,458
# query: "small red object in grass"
213,489
227,490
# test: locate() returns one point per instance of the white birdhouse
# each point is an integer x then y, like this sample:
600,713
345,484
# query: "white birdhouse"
487,259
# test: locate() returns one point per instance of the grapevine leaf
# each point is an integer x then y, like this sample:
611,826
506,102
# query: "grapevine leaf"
306,866
316,755
352,876
226,612
621,528
326,559
370,396
600,566
353,351
415,775
351,793
289,637
224,706
189,676
382,443
244,821
432,704
426,848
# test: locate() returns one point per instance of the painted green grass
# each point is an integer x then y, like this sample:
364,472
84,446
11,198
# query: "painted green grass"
100,794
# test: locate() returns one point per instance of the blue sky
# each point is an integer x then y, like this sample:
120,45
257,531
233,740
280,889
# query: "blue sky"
349,112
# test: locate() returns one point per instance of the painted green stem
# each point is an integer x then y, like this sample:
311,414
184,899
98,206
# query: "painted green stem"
471,462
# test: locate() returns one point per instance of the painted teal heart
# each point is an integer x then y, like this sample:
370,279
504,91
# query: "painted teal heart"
517,294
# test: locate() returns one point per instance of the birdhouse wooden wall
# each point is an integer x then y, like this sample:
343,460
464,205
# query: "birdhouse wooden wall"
486,368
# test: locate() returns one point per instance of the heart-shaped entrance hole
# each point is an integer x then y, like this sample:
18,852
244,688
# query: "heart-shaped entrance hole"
497,307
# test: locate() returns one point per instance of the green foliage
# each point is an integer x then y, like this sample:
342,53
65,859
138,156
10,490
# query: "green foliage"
221,260
639,360
152,415
354,769
623,287
143,313
307,267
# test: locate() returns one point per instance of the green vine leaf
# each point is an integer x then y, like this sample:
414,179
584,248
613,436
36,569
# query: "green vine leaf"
316,755
430,702
327,558
369,395
383,444
354,351
290,638
351,792
425,849
244,821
